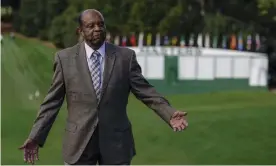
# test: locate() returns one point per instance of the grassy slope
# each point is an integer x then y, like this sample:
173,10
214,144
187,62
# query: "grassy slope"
225,128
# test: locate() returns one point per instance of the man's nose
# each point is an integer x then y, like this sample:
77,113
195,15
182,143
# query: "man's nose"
97,28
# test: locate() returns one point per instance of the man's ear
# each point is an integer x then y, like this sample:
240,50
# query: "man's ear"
79,34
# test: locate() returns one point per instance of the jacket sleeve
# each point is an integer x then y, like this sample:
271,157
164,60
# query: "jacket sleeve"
145,92
50,106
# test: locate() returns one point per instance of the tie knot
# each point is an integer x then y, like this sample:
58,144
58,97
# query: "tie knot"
96,54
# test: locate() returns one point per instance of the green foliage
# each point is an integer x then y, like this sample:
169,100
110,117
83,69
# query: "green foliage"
51,9
264,5
172,18
28,17
6,14
35,16
215,23
6,11
146,15
63,28
56,19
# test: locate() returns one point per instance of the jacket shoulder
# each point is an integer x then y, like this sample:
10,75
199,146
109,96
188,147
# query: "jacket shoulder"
69,51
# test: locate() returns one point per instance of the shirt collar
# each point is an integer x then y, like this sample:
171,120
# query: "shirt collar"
90,50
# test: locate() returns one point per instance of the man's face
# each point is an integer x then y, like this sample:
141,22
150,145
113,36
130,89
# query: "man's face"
93,28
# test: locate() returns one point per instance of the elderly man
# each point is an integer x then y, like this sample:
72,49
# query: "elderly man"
96,77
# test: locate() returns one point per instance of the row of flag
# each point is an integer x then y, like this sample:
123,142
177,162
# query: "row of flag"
233,41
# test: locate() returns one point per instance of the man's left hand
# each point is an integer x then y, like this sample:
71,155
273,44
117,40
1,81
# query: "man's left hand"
178,121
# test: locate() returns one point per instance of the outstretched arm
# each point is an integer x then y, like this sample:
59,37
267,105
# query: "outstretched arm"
50,106
145,92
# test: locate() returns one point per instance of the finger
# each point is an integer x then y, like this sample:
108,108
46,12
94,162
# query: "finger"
36,155
27,153
22,147
29,156
32,156
31,159
176,123
175,114
185,123
182,121
183,114
182,127
25,156
179,128
180,113
179,123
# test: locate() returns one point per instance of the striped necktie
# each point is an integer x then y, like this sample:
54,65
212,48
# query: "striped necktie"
96,72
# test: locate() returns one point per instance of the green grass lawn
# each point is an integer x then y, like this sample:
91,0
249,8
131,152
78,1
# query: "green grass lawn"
224,128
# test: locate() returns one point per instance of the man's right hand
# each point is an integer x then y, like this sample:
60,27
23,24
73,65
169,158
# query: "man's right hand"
30,148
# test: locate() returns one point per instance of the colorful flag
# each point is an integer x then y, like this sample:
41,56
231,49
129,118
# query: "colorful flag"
141,40
249,42
207,41
117,40
133,40
215,41
174,41
258,42
166,41
233,42
157,40
224,41
199,40
191,41
240,42
124,41
182,41
149,38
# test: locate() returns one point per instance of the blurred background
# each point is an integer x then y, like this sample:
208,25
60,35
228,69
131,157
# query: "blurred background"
214,59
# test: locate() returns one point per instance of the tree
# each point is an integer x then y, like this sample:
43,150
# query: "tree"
63,28
35,16
169,17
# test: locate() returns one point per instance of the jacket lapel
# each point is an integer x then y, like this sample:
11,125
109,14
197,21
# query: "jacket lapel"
109,65
82,66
